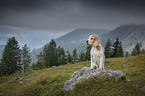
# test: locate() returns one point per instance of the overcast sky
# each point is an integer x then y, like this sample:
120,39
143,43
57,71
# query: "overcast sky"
56,17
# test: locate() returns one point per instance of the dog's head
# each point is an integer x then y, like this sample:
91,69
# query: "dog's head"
93,41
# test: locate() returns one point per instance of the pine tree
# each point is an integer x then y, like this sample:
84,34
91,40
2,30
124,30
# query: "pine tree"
40,62
126,54
75,57
87,56
1,69
26,58
108,49
50,56
82,56
69,57
142,51
136,50
117,50
11,58
120,50
46,56
53,57
116,46
34,67
61,56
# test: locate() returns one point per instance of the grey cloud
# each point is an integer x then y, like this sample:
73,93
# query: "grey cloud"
70,14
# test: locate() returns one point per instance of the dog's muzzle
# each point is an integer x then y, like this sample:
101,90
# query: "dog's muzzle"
87,42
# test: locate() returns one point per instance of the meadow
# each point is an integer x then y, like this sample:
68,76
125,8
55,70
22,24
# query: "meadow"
50,81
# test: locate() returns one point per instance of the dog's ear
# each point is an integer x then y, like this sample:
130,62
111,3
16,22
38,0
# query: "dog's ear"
96,42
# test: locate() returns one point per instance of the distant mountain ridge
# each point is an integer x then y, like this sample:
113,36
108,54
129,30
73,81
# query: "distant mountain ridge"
77,38
22,36
71,40
79,34
129,35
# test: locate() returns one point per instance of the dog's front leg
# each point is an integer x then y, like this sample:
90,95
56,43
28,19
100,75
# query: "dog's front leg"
101,63
92,63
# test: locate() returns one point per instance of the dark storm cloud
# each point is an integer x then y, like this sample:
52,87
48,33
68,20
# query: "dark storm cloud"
71,14
36,5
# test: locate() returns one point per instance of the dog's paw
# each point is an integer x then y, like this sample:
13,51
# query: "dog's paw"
99,68
91,68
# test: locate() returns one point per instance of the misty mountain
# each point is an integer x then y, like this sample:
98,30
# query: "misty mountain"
74,39
7,32
39,41
129,35
32,39
77,39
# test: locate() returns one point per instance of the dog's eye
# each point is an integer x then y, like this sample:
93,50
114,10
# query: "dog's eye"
91,38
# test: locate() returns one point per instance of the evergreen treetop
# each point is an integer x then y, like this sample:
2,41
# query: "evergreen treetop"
26,57
69,57
11,58
108,49
136,51
75,57
117,49
82,56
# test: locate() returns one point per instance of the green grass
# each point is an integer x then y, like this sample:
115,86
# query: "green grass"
49,82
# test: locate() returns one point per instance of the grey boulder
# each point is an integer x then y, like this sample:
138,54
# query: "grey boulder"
85,73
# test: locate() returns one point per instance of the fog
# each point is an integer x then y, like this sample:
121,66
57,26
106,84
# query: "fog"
57,17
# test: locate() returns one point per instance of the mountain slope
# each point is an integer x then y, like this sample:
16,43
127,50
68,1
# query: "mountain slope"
51,80
7,32
31,38
129,35
77,38
39,41
69,41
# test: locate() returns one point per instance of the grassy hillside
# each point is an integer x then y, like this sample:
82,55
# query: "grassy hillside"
49,82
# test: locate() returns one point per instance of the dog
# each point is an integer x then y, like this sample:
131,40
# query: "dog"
97,54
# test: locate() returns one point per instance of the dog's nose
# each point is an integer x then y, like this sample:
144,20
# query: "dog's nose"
87,41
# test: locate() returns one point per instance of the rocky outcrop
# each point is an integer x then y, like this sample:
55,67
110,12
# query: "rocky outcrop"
14,80
85,73
1,94
143,88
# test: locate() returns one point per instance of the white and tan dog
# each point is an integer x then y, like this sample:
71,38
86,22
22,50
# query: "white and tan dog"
97,54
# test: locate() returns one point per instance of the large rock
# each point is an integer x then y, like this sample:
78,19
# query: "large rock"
85,73
1,94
